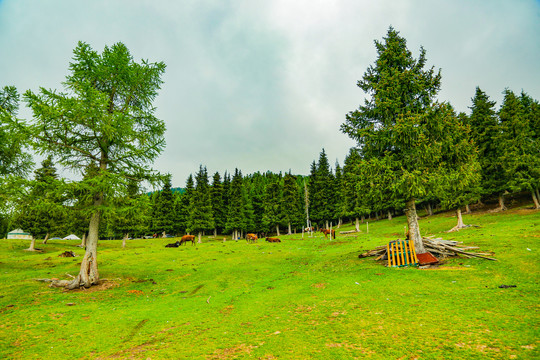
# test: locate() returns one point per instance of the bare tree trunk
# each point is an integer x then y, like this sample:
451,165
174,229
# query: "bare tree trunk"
501,203
363,218
389,215
467,209
83,241
46,238
215,232
538,194
414,228
535,200
326,224
200,238
124,240
277,230
357,225
32,245
460,223
290,232
89,275
429,209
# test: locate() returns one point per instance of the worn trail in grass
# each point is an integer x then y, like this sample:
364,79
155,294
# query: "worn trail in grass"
302,298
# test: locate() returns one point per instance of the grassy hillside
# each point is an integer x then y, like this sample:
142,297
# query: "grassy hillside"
305,298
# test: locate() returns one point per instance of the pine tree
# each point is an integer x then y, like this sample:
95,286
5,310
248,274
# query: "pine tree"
236,219
184,206
272,216
399,126
322,201
42,211
486,134
200,215
164,211
218,209
521,153
292,202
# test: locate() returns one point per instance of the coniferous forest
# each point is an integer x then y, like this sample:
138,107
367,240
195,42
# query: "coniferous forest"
414,151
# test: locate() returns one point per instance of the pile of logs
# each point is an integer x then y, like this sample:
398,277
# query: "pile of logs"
437,247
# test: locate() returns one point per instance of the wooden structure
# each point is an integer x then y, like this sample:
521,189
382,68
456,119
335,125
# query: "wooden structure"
401,253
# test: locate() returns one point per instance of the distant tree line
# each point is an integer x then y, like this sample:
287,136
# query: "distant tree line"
412,150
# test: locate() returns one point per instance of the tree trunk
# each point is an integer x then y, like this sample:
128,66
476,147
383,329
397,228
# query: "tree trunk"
200,238
277,230
215,232
363,218
83,241
501,203
429,209
414,228
537,194
89,275
535,200
326,224
467,209
460,223
290,232
46,238
357,225
32,245
124,240
389,215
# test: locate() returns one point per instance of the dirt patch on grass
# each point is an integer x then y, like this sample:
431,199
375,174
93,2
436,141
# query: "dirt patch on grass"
101,286
232,352
319,285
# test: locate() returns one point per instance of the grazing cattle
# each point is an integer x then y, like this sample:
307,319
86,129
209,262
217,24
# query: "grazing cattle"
327,231
176,244
251,238
187,238
309,229
272,240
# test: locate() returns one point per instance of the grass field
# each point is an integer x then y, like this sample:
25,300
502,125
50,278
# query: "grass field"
305,298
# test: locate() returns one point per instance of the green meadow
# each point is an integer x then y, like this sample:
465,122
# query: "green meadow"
303,298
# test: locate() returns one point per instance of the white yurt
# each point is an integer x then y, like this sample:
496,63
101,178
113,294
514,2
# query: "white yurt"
19,234
72,237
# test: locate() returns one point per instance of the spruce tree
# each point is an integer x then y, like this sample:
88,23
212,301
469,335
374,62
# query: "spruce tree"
486,134
218,209
272,216
184,206
521,153
236,213
200,215
398,127
292,202
164,211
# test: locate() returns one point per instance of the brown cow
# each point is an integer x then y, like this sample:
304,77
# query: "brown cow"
251,238
187,238
327,231
272,240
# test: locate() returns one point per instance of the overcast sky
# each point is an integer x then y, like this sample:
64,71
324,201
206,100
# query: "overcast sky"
265,85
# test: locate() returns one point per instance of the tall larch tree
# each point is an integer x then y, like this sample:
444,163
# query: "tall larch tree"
105,119
273,216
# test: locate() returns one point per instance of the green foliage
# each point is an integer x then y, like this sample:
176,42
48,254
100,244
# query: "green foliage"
200,214
411,145
321,191
13,159
486,134
236,214
216,199
292,202
164,209
42,210
520,144
273,198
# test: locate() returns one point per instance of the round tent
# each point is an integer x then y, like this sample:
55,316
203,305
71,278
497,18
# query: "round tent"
72,237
